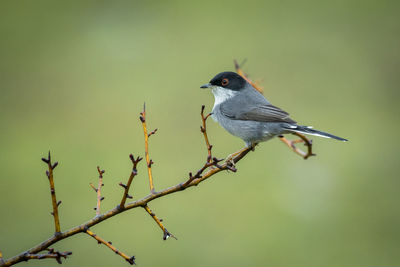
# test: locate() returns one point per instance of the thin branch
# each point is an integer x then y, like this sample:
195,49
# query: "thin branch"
100,240
166,234
98,190
132,175
244,75
94,188
292,145
54,202
146,147
203,129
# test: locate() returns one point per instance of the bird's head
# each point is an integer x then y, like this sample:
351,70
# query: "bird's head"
227,80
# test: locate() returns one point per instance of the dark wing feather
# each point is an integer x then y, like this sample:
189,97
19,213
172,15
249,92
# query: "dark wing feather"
243,108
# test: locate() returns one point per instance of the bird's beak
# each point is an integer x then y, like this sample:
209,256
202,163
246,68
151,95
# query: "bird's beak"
207,85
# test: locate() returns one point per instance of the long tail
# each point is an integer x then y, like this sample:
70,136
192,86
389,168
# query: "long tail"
309,130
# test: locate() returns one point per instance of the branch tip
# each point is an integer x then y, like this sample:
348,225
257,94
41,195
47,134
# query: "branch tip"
166,234
55,204
98,190
146,147
110,246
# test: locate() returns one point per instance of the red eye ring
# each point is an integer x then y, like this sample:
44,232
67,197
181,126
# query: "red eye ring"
224,81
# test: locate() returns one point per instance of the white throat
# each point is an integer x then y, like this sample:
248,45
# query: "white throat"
222,94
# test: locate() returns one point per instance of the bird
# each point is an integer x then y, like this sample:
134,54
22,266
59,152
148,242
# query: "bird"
244,112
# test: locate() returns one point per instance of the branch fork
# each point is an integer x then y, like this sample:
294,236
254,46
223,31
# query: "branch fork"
52,254
128,185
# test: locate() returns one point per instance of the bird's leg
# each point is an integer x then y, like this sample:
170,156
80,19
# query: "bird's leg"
292,145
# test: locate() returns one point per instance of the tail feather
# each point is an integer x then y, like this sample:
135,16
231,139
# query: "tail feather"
309,130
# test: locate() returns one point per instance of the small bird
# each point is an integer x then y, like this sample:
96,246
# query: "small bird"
247,114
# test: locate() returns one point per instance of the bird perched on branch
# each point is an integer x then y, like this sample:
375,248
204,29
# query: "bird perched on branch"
247,114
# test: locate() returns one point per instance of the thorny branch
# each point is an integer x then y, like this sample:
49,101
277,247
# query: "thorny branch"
128,185
159,222
98,190
52,254
100,240
49,174
203,129
146,147
212,166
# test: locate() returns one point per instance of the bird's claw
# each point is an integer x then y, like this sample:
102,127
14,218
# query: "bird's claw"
230,164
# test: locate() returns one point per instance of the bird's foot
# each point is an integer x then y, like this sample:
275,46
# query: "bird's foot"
229,160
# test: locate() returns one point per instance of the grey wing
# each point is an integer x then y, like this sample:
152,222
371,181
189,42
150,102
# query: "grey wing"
240,108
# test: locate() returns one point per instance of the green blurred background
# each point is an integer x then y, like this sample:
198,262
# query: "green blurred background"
74,76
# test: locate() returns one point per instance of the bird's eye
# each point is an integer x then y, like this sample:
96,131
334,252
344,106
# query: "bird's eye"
224,82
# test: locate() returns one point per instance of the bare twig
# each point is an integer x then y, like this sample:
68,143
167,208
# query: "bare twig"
203,129
292,145
100,240
132,175
94,188
98,190
146,147
244,75
166,234
54,202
